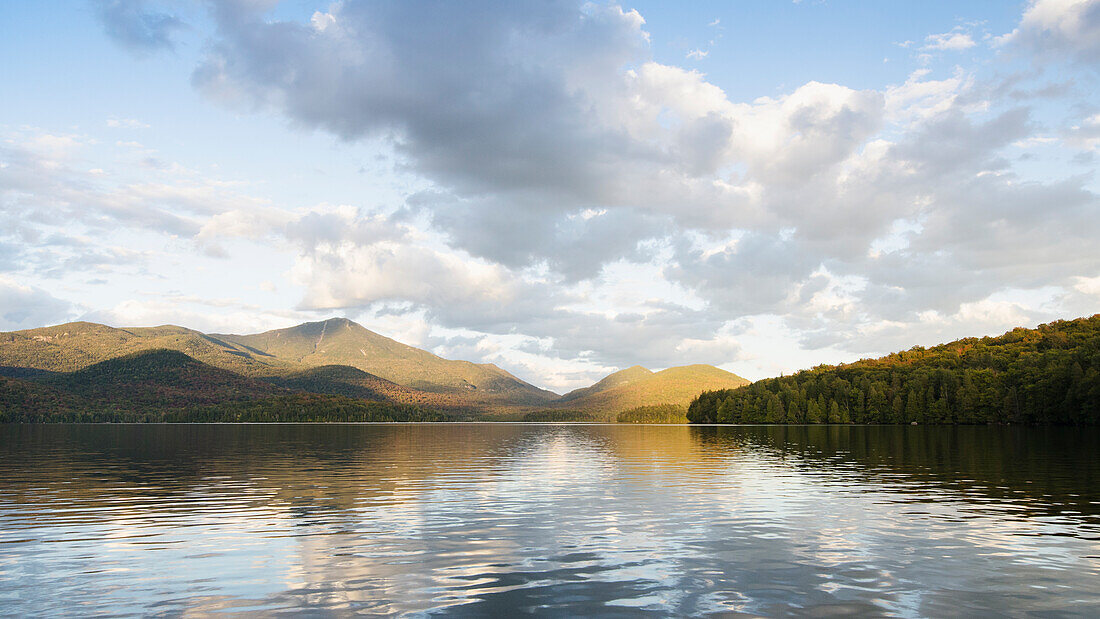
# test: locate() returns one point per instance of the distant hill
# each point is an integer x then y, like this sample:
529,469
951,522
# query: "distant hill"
339,341
277,354
151,381
167,385
335,357
166,378
1047,375
636,387
75,345
622,377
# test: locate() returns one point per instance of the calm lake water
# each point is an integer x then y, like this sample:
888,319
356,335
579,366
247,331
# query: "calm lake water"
560,520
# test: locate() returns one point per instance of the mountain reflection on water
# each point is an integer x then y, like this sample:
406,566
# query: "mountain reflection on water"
549,519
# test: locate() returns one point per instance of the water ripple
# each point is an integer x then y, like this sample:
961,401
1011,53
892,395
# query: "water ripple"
548,520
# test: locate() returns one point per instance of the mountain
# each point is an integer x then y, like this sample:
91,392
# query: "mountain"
352,382
339,341
75,345
167,385
150,381
166,378
622,377
278,353
319,371
334,357
636,386
1046,375
26,400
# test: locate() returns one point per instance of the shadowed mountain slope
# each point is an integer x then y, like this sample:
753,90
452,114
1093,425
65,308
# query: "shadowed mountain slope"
150,382
352,382
166,378
167,385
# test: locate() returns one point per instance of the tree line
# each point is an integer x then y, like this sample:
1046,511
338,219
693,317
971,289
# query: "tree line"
1047,375
657,413
304,407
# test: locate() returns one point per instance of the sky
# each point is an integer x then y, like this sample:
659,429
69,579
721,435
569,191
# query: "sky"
560,188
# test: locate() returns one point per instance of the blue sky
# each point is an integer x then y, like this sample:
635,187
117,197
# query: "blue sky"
560,188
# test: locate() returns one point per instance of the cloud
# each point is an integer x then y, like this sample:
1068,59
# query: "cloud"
548,113
513,77
134,26
206,315
555,146
954,41
45,184
24,307
1056,29
126,123
1086,134
578,206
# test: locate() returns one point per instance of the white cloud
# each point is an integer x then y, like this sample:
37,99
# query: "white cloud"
126,123
1088,285
579,206
206,315
24,307
953,41
1056,29
921,98
1085,135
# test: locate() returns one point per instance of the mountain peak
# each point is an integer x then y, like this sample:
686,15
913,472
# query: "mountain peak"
339,341
631,374
316,327
340,321
637,386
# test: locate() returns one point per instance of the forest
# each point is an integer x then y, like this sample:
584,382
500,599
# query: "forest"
659,413
1046,375
168,386
299,407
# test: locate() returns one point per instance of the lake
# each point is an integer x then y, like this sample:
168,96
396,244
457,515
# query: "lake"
557,520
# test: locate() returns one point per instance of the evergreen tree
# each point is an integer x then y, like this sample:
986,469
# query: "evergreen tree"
897,410
813,412
773,415
793,414
913,407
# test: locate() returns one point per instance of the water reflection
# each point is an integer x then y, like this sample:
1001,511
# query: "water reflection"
549,519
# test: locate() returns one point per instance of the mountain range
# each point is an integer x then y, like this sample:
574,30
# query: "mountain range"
335,357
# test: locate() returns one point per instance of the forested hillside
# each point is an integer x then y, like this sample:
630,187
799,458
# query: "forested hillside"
1050,374
167,385
355,383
